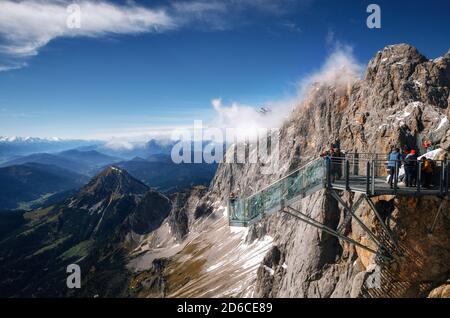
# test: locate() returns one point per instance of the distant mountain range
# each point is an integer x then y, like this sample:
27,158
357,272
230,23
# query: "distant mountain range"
143,150
43,178
11,147
31,179
84,162
17,139
23,185
159,172
87,229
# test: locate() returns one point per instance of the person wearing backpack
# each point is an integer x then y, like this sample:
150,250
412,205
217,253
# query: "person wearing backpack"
427,170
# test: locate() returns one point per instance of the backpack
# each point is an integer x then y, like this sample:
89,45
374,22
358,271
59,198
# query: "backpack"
427,166
410,160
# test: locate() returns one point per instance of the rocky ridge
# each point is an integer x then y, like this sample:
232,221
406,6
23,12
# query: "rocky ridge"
133,241
402,98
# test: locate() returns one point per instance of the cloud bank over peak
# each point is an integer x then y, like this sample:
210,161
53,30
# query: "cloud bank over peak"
340,70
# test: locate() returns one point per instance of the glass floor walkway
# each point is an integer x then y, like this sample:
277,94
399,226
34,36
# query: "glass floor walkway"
359,173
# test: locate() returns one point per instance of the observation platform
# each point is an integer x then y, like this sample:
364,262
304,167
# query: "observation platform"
364,174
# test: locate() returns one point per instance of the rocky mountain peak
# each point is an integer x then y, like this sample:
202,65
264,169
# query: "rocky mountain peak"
112,183
402,58
403,100
402,50
150,213
182,246
115,180
399,75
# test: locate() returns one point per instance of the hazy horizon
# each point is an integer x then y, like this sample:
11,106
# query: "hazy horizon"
148,68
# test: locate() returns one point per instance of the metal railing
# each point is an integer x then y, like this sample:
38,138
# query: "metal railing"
272,198
364,173
376,176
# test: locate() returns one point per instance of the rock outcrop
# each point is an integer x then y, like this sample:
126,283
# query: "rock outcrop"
136,242
151,211
403,98
184,202
88,229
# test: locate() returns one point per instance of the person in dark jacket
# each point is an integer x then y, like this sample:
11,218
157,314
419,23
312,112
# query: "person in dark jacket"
338,163
411,169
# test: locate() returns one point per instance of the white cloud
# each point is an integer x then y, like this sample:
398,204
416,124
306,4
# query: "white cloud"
340,70
330,37
136,137
118,144
12,66
292,26
204,14
200,7
135,134
26,26
247,119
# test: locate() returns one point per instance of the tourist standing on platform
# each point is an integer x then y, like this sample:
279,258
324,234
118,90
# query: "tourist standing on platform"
329,155
411,169
338,163
394,161
427,171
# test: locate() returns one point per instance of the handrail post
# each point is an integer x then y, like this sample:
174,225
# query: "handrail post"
230,211
245,206
373,177
264,205
328,166
446,176
396,170
419,176
368,177
347,175
442,179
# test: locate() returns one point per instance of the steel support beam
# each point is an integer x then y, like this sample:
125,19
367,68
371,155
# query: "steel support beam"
436,217
385,228
373,174
308,220
361,223
347,175
368,177
350,215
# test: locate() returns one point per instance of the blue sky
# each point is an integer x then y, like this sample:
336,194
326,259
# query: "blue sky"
120,80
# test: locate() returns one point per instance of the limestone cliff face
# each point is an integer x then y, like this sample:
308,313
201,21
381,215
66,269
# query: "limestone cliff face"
403,98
